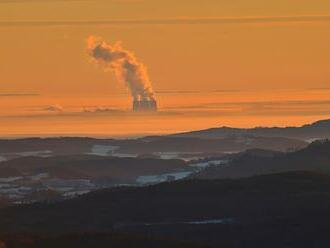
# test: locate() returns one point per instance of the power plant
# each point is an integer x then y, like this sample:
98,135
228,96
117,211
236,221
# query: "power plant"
128,69
145,105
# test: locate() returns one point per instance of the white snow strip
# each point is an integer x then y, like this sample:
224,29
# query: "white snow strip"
45,153
76,193
205,222
9,179
209,163
102,150
2,158
198,222
311,140
39,176
163,177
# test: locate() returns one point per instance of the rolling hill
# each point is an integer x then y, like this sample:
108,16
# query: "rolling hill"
265,211
315,157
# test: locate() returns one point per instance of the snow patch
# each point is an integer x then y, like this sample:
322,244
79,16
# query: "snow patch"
168,155
45,153
103,150
2,159
209,163
163,177
9,179
205,222
39,176
197,222
311,140
76,193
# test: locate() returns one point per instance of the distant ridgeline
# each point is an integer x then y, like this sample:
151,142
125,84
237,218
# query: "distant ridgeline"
317,130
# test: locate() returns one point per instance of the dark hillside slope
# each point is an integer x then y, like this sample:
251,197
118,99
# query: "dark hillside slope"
315,157
89,167
263,197
61,145
72,146
90,240
280,210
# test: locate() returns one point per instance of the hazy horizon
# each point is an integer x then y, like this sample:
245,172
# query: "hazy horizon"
74,67
111,115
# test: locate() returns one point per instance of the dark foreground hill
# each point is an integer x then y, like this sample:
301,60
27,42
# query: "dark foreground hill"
89,240
316,130
279,210
315,157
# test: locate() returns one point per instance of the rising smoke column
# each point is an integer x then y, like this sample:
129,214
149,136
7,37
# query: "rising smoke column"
124,64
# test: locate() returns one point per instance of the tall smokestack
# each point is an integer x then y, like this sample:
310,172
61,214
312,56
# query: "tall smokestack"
127,68
145,105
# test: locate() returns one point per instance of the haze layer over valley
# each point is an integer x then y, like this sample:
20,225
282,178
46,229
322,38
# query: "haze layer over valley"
110,115
37,169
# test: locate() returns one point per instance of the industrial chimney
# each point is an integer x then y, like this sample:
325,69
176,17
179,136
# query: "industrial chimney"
144,105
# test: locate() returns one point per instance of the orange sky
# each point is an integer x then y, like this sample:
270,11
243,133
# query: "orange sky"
40,56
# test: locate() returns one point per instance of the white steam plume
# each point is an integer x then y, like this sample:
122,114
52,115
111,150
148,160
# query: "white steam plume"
124,64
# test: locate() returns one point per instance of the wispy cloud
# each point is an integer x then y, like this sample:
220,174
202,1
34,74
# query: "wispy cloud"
321,89
41,1
64,1
54,108
263,108
177,21
17,94
216,109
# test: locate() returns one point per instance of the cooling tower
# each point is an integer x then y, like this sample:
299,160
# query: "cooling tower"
145,105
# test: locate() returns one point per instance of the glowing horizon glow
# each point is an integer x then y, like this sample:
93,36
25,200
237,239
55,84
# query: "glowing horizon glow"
111,116
236,63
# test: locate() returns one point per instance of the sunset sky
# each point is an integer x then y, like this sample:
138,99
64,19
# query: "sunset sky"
232,54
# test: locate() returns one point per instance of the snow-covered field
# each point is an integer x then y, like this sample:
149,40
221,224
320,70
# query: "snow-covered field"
197,222
13,192
163,177
44,153
76,193
168,155
311,140
9,179
125,155
209,163
8,156
108,150
39,176
102,150
179,155
205,222
5,185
